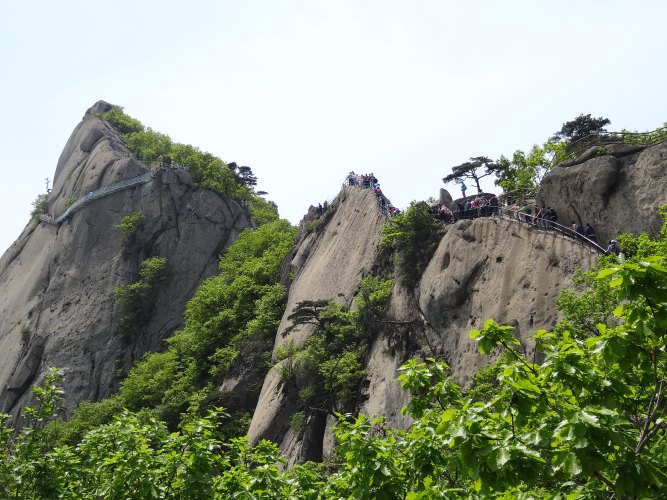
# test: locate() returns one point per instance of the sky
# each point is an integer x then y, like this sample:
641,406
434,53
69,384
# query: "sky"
305,91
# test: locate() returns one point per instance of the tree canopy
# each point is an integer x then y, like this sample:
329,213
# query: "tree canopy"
471,169
580,127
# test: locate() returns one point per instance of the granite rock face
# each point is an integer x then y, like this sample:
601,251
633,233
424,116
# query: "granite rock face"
486,268
57,281
328,265
618,192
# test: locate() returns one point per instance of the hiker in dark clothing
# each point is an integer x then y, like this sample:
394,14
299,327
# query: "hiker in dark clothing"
613,247
590,232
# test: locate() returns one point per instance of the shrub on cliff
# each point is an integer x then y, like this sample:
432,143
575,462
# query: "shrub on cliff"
136,299
413,236
206,169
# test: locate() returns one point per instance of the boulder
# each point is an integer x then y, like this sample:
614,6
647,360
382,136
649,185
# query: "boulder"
616,194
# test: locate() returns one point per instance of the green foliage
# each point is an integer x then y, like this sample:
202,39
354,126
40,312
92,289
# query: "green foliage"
130,224
235,312
298,422
586,423
414,236
327,370
582,126
87,416
644,138
39,206
124,123
523,172
136,299
469,170
262,211
149,145
69,202
206,169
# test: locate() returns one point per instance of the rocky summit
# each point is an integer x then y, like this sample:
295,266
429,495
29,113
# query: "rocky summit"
57,280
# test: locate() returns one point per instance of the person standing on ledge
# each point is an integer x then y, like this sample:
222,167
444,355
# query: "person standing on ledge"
463,189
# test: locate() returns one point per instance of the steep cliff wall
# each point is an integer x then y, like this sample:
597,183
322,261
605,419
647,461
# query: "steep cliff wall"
487,268
617,190
57,281
329,264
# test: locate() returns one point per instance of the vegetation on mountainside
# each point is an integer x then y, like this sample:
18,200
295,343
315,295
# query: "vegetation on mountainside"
129,225
523,172
231,319
582,126
136,299
206,169
520,174
39,206
588,422
327,370
413,236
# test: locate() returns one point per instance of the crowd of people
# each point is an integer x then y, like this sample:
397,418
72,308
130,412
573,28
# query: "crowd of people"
479,206
369,181
543,217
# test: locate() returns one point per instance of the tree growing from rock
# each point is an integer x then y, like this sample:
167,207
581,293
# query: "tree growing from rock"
582,126
471,169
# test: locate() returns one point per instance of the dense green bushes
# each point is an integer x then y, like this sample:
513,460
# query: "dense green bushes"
206,169
129,225
39,206
136,299
327,370
413,236
232,318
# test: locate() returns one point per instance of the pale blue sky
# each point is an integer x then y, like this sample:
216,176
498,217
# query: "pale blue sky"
305,91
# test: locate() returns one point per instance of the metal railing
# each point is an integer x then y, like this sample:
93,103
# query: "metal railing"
644,139
547,226
97,194
528,220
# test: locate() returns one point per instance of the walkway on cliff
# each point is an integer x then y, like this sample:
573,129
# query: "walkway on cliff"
99,193
529,221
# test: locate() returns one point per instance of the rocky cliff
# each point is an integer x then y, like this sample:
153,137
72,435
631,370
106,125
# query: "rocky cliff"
481,269
486,268
57,281
616,188
327,264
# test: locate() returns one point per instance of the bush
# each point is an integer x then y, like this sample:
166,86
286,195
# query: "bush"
136,299
69,202
414,236
328,368
206,169
129,225
39,206
124,123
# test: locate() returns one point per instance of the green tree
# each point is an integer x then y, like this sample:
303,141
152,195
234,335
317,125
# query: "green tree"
582,126
523,172
414,236
39,206
471,170
136,299
124,123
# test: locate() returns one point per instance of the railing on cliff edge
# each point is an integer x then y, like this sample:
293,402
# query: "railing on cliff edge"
577,147
532,222
101,193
